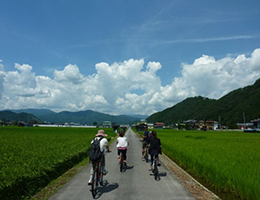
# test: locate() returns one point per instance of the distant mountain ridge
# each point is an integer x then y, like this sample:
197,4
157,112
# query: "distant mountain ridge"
83,117
87,117
35,112
235,107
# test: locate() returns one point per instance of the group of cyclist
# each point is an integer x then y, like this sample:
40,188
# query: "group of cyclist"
150,141
153,143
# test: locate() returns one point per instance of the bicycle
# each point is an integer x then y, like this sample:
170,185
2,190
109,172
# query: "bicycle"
155,166
97,178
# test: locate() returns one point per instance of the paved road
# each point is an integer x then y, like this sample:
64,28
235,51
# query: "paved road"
133,184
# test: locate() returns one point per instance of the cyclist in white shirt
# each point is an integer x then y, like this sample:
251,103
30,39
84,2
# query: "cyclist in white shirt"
122,144
104,148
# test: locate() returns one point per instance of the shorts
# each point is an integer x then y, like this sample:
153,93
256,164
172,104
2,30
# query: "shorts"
154,153
123,152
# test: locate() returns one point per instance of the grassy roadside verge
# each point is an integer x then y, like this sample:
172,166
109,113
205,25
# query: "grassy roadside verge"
58,183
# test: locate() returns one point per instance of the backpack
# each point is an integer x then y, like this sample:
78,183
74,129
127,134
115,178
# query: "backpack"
95,152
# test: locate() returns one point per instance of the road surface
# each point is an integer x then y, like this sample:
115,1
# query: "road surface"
135,183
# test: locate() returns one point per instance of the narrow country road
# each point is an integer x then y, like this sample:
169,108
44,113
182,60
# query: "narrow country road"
133,184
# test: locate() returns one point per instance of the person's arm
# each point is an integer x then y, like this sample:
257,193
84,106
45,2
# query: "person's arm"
160,151
106,146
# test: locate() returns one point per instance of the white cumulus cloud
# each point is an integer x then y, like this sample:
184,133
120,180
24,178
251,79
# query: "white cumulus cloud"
128,87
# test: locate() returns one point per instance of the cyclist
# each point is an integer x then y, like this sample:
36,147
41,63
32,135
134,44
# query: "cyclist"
154,148
121,144
145,140
104,148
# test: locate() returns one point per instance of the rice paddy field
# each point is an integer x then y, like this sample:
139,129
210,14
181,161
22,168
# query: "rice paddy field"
227,162
32,157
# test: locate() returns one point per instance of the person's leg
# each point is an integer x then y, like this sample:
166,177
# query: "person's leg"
159,163
124,154
143,146
119,151
91,174
103,164
151,163
118,155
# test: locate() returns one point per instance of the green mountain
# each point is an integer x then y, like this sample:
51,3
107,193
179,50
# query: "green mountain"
187,109
229,110
86,117
11,116
35,112
83,117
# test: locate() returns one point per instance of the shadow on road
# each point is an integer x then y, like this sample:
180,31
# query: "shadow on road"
127,168
160,175
107,187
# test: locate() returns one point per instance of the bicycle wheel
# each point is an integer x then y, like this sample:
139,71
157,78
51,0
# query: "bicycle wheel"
100,174
156,171
94,183
121,162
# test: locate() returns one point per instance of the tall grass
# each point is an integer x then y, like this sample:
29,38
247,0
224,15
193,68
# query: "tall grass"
229,162
32,157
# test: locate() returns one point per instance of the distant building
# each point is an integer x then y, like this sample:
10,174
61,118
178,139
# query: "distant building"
212,125
191,124
107,124
150,125
256,123
158,125
141,126
245,125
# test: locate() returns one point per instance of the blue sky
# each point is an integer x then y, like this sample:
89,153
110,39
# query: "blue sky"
54,40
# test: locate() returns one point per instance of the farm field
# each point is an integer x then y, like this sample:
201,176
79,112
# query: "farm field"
227,162
32,157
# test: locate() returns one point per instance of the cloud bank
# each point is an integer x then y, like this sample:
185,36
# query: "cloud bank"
129,87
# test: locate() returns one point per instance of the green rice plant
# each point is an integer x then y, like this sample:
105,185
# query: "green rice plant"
228,162
32,157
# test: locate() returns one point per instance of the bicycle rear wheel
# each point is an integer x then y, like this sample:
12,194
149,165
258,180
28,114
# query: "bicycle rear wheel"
100,174
94,184
121,162
156,171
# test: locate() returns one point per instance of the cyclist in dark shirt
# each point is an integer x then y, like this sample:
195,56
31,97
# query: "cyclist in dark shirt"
155,147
